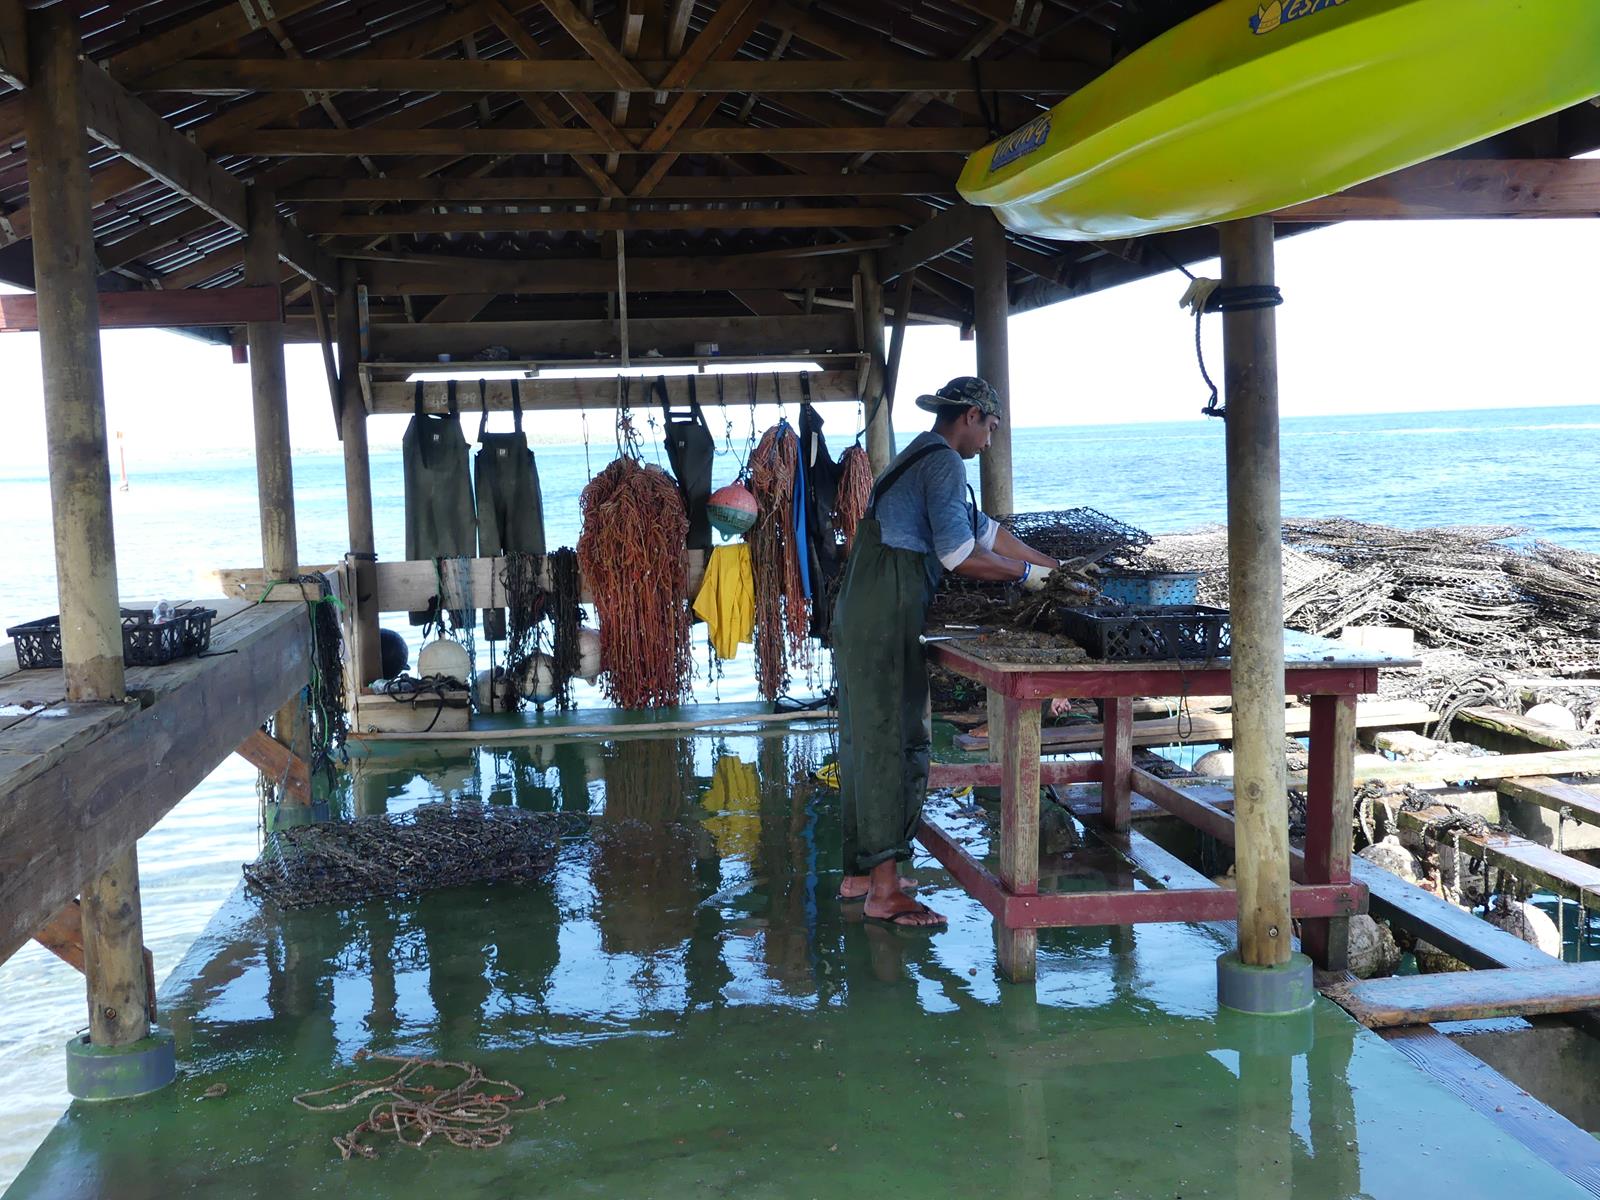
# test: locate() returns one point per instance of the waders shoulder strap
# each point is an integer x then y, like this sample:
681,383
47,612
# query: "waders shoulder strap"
416,399
450,394
483,407
516,403
893,475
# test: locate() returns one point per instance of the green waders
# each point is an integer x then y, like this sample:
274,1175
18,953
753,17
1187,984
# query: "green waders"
510,505
885,723
440,521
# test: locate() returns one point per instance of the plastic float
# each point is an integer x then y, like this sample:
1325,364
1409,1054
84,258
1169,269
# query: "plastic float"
1250,107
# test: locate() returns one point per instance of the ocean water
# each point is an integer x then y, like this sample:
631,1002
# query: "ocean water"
1538,468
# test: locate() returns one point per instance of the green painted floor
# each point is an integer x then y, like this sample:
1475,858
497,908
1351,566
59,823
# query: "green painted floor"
719,1025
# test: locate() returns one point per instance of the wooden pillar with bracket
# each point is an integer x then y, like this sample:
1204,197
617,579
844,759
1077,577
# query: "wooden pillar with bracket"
366,650
80,488
280,555
874,396
991,313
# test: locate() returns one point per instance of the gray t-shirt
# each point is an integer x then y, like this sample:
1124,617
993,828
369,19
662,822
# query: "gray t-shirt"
928,509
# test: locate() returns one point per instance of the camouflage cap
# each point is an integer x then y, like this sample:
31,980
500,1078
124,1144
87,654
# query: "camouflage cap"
965,390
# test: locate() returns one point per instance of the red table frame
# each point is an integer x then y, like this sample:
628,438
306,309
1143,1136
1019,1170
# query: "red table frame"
1323,896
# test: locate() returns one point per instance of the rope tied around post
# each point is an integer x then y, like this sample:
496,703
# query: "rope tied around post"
1213,296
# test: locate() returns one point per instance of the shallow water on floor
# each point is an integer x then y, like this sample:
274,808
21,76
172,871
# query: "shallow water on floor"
719,1023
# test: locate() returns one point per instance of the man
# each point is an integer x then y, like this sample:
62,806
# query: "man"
922,522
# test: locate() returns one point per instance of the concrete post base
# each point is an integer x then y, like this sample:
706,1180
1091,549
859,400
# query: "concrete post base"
116,1073
1265,990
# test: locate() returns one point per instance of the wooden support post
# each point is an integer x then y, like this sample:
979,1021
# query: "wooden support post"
366,652
113,954
897,336
869,311
80,483
1255,571
996,705
1017,949
1330,801
280,555
991,311
1116,764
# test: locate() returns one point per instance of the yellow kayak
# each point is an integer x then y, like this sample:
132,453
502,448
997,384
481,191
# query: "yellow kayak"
1251,107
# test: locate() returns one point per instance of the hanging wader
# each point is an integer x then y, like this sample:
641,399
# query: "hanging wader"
440,522
510,506
690,448
885,723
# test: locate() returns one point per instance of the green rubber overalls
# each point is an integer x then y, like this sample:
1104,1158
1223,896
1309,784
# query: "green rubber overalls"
885,722
440,519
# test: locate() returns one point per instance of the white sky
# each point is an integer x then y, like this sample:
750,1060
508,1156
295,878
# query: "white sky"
1401,316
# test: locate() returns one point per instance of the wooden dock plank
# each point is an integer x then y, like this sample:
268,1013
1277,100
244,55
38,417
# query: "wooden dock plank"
61,825
1489,767
1475,942
1583,802
1154,860
1550,1136
1211,727
1516,725
1526,860
1470,995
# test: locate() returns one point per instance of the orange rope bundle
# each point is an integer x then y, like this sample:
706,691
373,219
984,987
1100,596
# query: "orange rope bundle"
783,615
855,493
631,554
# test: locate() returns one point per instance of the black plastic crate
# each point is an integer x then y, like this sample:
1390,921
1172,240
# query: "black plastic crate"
145,642
1150,633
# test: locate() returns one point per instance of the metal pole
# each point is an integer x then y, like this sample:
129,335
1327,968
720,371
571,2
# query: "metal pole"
991,310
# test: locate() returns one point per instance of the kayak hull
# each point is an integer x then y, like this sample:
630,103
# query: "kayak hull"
1249,108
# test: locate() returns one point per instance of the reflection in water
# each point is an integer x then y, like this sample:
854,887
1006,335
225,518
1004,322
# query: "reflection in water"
688,901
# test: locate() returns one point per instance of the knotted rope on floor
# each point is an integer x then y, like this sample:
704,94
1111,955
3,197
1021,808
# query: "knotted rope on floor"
473,1114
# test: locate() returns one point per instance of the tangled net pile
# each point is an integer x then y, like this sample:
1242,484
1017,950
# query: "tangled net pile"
1488,610
473,1113
783,616
1076,533
631,551
446,844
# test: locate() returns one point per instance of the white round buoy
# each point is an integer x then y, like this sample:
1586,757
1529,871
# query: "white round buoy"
1556,716
444,657
1373,952
1392,857
1218,764
588,654
1530,923
538,679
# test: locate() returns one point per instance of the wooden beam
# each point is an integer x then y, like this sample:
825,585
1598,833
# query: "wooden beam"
234,76
673,187
344,143
1579,803
947,231
809,217
587,34
597,276
1453,188
540,395
14,45
119,121
818,333
159,310
289,772
68,822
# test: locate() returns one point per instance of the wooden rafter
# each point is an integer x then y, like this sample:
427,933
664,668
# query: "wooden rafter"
230,76
595,43
503,189
1465,188
837,216
345,143
594,276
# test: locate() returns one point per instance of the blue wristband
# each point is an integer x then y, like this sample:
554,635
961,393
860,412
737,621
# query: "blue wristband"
1027,569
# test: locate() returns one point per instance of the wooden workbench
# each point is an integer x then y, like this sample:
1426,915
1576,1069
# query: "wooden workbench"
1331,674
81,782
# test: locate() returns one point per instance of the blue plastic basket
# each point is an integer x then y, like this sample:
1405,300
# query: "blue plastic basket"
1152,587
